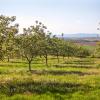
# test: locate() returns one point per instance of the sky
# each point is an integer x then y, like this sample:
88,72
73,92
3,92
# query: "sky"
60,16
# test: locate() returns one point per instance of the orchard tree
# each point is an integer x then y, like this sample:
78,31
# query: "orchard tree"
45,47
43,36
83,52
67,49
3,25
27,43
56,47
10,40
5,30
97,50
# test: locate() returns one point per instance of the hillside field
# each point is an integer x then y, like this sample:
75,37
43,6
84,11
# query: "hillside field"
71,79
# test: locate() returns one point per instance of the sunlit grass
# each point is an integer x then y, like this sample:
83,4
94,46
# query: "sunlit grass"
71,79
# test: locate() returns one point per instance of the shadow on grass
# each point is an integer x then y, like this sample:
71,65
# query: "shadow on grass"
43,87
46,72
13,65
80,62
15,62
73,66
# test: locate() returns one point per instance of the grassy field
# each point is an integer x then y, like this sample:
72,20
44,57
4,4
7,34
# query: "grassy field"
71,79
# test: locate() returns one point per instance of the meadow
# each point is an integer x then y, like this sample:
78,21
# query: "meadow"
36,64
71,79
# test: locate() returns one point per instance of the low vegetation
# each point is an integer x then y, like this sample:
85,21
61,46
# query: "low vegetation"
72,79
36,65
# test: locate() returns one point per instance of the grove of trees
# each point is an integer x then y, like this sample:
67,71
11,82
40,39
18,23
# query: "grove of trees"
35,41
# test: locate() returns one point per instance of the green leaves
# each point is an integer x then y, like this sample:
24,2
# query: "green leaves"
7,34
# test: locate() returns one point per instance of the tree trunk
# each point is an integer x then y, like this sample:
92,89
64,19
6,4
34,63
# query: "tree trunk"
29,65
46,58
63,58
40,56
58,57
8,58
68,56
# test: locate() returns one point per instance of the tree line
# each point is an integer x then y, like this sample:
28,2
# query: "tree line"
35,41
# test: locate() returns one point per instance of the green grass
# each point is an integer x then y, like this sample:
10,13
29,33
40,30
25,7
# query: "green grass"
71,79
89,47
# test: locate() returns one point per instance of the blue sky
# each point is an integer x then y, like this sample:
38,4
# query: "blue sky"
67,16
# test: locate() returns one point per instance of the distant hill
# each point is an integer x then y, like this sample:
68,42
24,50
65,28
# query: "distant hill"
83,39
80,35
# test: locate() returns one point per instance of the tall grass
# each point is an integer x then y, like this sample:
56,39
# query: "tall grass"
72,79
